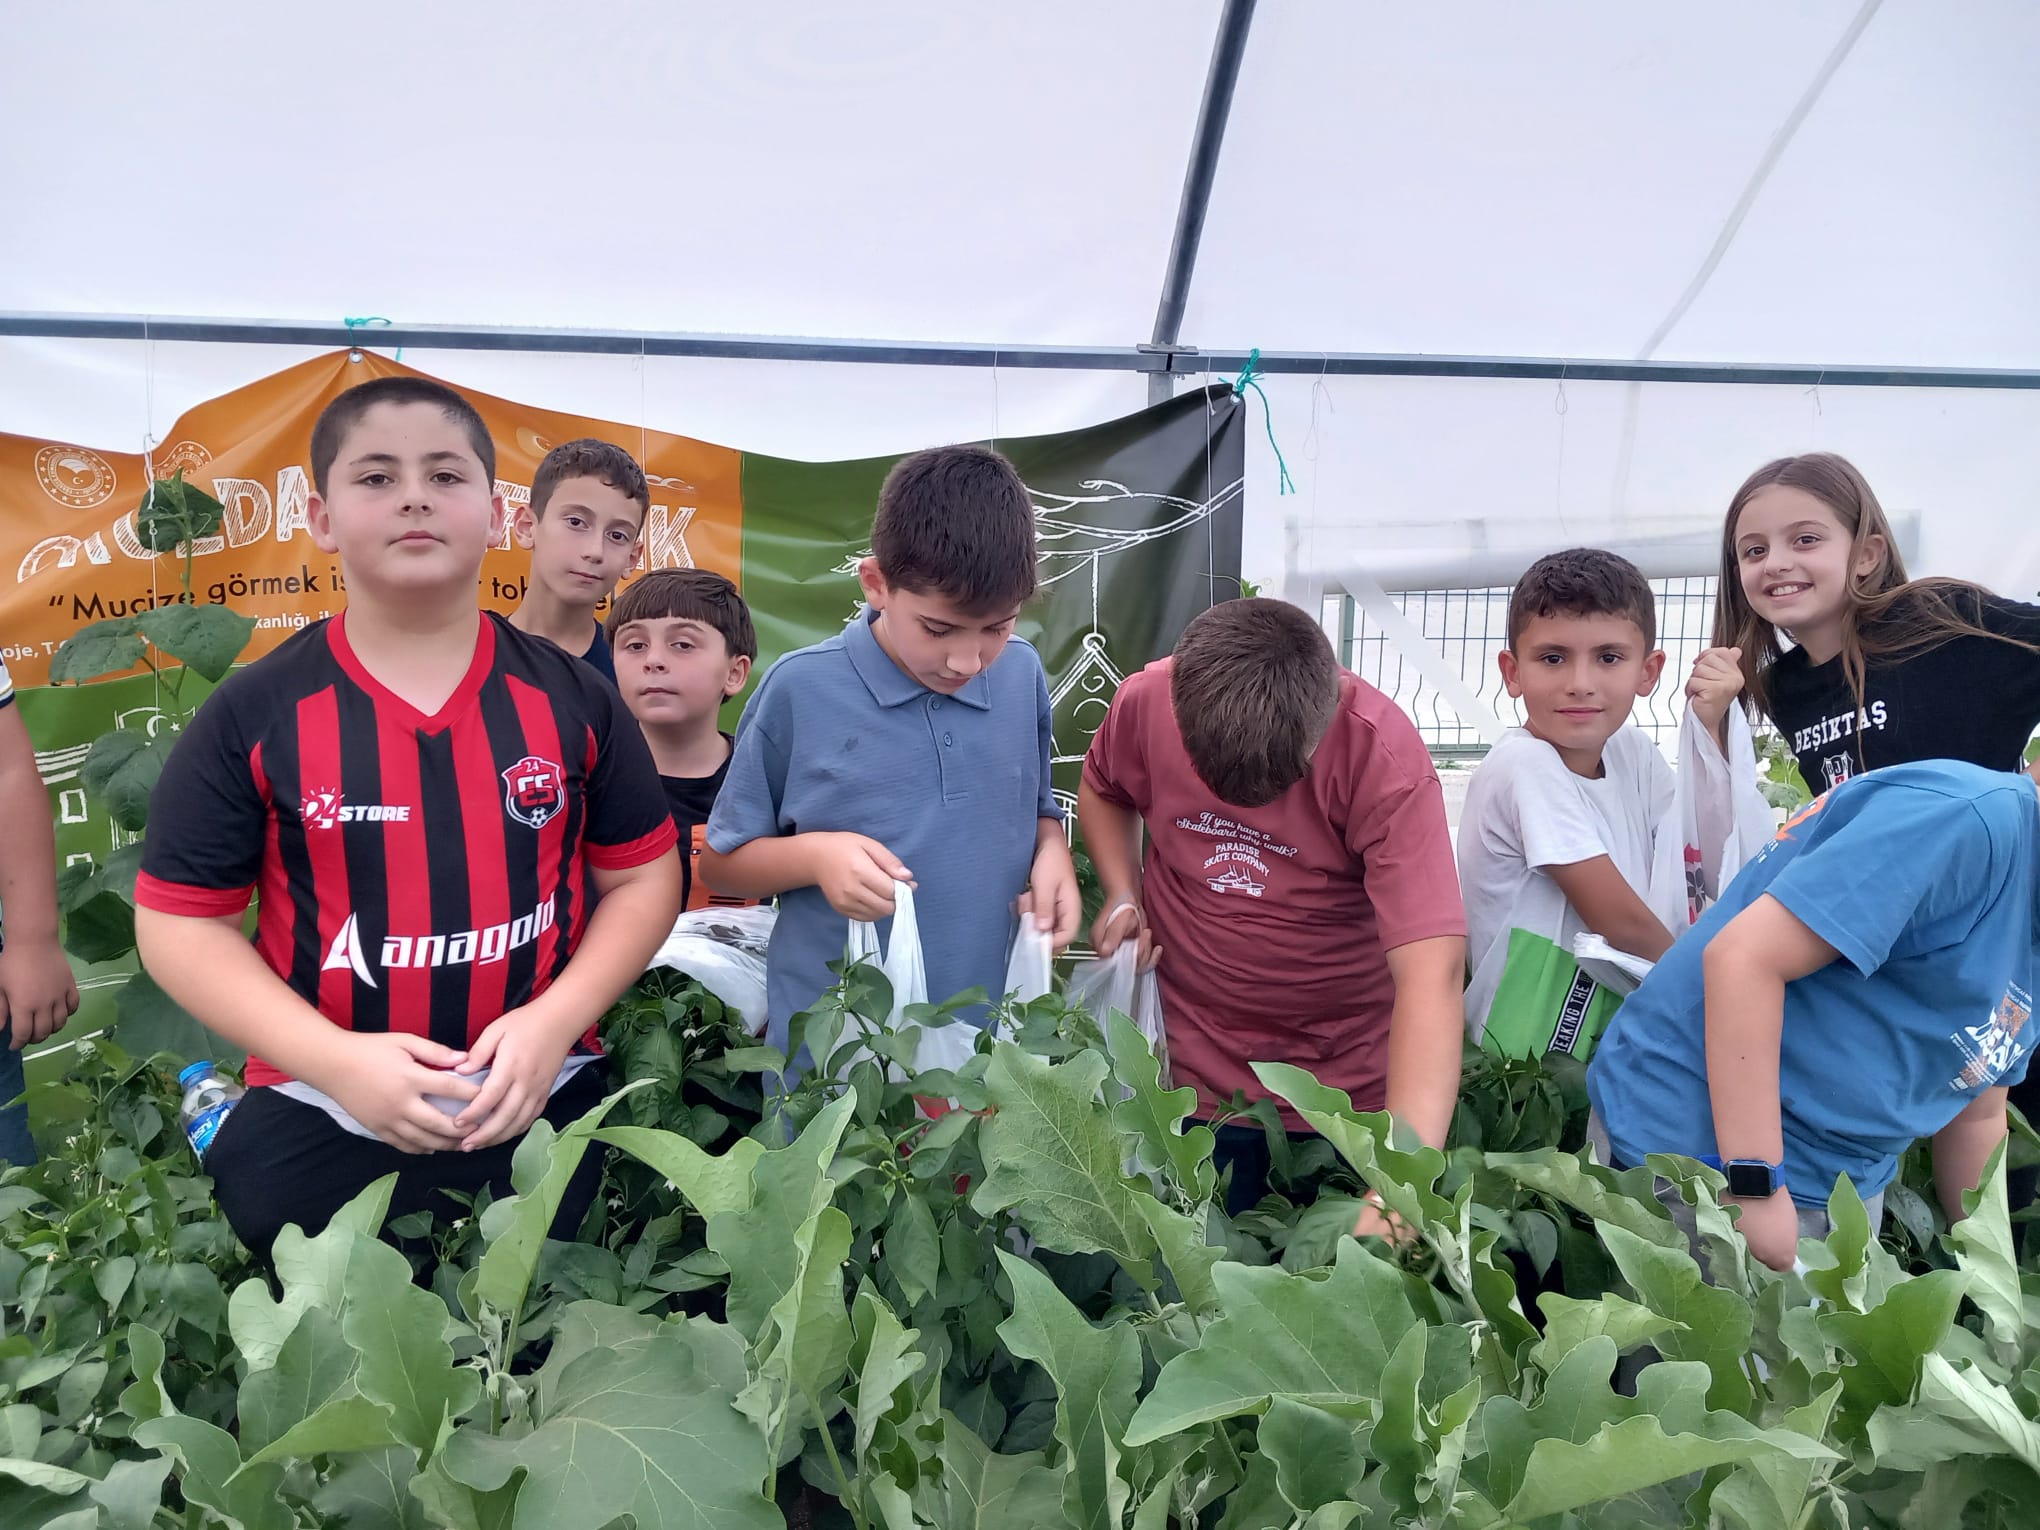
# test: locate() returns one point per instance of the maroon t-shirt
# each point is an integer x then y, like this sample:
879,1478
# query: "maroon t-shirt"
1275,922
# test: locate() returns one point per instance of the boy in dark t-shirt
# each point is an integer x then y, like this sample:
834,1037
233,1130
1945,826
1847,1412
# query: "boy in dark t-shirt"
584,526
683,645
431,803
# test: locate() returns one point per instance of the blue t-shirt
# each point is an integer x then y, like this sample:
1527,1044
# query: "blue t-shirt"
839,738
1923,877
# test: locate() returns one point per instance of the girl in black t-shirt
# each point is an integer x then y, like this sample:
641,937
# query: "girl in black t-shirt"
1882,670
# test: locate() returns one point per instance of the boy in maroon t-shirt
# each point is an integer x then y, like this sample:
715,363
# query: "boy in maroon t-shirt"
1298,886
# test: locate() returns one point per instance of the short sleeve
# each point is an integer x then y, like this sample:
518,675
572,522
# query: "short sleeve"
748,806
1044,713
1116,765
628,820
6,685
1397,830
1855,888
208,817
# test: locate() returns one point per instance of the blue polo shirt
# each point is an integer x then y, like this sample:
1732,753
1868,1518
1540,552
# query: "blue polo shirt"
1923,878
838,738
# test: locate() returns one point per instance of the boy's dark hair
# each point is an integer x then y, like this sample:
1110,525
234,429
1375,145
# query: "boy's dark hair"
1583,581
956,521
1254,685
690,595
590,458
345,412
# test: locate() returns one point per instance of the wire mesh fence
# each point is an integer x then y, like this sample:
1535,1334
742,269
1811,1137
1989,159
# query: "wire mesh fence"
1470,627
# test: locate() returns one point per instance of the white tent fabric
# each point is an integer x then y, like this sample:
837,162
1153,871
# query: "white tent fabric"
1823,181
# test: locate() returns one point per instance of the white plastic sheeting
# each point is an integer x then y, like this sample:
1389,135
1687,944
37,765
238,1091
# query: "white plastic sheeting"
1818,181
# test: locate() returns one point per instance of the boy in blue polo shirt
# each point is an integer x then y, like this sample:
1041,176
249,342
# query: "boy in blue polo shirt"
912,747
1865,982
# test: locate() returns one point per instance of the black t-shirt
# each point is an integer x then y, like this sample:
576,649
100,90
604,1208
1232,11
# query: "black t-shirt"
598,654
417,874
692,799
1971,698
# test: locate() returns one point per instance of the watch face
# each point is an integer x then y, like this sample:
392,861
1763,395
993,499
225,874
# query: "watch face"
1751,1180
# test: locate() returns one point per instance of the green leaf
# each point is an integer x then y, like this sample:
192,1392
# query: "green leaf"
1323,1341
207,639
148,1021
505,1271
1096,1373
983,1490
1624,1200
210,1472
1714,1324
712,1184
41,1475
885,1361
102,648
1154,1116
315,1365
1186,1251
122,769
913,1247
406,1364
113,1279
643,1432
313,1273
1568,1324
1982,1245
341,1425
1319,1455
1581,1444
174,512
763,1241
145,1399
1053,1159
130,1492
1888,1344
100,929
371,1490
1958,1412
1771,1492
806,1343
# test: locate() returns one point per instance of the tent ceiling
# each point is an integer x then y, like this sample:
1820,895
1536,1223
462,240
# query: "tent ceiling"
1474,177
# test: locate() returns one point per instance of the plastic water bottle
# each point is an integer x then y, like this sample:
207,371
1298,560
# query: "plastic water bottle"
208,1096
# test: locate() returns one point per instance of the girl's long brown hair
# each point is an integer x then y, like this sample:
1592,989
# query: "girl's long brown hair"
1888,617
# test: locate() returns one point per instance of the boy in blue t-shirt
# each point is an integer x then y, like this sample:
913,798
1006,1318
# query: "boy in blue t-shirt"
1867,981
900,750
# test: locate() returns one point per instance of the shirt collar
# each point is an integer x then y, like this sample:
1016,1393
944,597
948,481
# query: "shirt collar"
891,686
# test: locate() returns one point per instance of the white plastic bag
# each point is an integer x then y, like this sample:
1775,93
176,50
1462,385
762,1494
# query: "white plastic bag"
1718,822
1030,972
1115,982
723,949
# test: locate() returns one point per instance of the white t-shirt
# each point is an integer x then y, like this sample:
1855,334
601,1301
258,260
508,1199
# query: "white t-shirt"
1525,811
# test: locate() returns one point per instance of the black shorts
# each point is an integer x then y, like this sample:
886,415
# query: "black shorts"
279,1161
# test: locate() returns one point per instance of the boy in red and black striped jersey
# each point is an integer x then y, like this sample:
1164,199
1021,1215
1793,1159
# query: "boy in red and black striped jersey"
431,802
684,645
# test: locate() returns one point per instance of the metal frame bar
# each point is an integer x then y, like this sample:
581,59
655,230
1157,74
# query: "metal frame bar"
1177,360
1227,51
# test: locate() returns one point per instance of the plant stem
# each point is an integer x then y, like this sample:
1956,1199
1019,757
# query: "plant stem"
842,1478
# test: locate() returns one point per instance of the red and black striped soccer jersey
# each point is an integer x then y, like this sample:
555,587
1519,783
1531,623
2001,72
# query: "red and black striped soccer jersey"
419,874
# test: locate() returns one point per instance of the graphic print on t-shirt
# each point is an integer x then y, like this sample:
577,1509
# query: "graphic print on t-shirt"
1239,858
1990,1048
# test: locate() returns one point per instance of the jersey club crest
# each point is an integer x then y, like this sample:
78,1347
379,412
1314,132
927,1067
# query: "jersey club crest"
533,791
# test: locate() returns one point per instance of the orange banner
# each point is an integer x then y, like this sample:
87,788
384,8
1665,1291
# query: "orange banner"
69,554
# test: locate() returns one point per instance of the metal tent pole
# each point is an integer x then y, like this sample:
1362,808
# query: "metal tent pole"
1227,51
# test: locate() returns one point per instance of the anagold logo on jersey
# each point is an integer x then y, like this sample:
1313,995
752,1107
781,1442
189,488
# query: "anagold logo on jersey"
462,948
326,810
533,791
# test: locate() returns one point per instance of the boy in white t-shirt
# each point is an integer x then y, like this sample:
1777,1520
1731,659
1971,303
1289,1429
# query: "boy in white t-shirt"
1561,822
